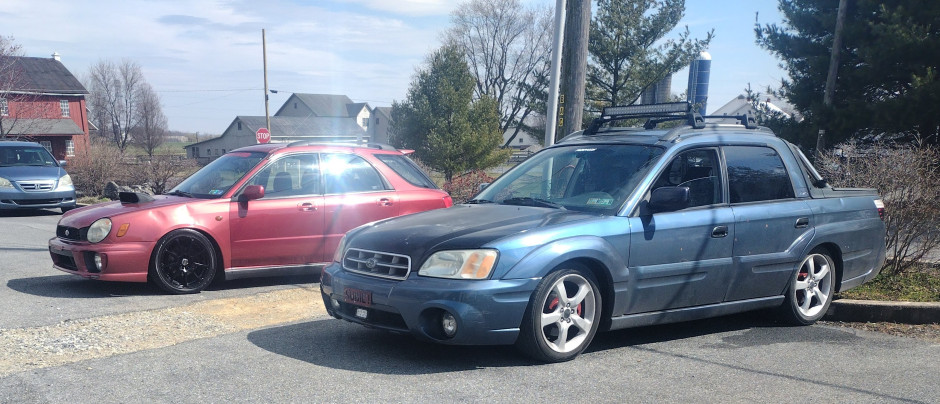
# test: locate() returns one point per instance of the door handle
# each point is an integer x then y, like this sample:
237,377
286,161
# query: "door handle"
306,207
802,222
384,202
720,231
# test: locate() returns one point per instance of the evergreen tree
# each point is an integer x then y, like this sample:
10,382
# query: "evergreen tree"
887,79
624,56
449,130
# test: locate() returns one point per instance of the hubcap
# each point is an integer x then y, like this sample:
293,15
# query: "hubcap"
568,314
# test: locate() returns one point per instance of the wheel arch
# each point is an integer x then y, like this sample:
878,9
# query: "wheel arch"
220,262
835,253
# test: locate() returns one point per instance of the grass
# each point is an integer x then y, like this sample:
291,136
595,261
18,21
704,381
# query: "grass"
918,284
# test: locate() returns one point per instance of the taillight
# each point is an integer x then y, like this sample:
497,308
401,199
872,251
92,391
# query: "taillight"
880,205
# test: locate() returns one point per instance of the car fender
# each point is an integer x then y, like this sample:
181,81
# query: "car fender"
543,259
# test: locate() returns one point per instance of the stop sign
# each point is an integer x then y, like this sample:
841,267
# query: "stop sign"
263,135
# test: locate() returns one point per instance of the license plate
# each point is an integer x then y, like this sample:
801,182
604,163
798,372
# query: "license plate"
362,313
358,297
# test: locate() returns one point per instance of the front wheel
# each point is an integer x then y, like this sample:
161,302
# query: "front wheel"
562,317
184,262
811,289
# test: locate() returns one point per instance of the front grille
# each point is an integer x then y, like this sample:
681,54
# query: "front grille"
30,202
378,264
71,233
36,186
63,261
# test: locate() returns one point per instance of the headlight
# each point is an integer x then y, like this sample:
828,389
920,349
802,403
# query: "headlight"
5,183
460,264
99,230
338,254
65,182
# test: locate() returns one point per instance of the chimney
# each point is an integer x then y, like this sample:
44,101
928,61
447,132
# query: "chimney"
55,55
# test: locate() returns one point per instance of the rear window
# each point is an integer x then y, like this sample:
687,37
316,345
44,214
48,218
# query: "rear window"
407,169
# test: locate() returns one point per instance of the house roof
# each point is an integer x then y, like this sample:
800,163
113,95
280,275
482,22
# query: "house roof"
354,108
39,127
387,111
326,104
741,104
45,75
298,128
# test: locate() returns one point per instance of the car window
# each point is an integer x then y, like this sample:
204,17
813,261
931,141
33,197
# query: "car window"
215,179
407,169
699,171
346,173
25,156
756,174
595,178
291,175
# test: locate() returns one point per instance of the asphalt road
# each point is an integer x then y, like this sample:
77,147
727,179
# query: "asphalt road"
743,358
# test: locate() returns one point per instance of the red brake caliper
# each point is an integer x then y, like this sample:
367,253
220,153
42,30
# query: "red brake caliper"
554,303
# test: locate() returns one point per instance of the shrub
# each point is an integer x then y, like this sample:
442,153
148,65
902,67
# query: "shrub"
93,168
909,184
463,187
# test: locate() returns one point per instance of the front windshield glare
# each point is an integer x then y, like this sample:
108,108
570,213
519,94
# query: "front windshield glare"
215,179
580,177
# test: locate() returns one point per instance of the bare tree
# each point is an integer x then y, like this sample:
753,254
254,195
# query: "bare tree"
151,129
17,105
507,47
114,99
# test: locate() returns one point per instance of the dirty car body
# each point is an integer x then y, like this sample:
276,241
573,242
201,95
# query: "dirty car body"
255,211
615,228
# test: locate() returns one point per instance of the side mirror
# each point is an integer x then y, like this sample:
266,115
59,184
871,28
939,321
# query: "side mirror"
251,193
62,163
483,186
668,199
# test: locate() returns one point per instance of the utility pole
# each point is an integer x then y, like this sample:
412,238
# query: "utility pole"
552,122
577,30
833,72
264,50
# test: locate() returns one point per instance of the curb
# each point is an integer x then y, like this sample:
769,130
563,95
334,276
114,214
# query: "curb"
871,311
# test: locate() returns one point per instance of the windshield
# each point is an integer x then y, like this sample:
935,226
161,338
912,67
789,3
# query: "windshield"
595,178
25,156
213,180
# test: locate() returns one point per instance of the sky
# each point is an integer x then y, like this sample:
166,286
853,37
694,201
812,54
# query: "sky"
206,60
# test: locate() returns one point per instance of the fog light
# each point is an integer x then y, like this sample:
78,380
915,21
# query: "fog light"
449,324
99,262
334,302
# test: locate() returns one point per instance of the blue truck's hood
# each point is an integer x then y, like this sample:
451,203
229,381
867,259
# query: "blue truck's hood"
458,227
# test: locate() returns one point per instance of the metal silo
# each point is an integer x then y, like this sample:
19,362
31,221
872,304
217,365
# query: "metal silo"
699,70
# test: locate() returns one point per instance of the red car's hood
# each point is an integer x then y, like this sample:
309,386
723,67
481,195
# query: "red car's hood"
85,216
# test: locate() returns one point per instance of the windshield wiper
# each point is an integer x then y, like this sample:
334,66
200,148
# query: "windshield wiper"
180,193
476,201
526,201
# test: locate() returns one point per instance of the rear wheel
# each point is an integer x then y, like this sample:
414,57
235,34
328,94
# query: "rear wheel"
562,316
811,289
184,262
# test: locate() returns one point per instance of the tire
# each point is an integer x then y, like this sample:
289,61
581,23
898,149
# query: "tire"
562,316
184,261
811,289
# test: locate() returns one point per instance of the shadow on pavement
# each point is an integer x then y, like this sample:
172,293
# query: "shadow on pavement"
71,286
342,345
29,212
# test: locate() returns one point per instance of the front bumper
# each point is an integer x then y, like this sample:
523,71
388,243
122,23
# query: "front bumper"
488,312
125,262
15,199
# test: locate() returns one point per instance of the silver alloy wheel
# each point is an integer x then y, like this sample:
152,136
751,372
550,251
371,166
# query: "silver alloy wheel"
813,287
568,314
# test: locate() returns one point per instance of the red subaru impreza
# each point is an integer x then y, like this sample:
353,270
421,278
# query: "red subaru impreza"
259,210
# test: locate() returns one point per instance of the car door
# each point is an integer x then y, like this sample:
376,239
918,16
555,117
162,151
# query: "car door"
355,194
768,218
682,258
286,226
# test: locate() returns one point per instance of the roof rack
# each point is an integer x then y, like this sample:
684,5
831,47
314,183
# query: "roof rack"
659,113
371,145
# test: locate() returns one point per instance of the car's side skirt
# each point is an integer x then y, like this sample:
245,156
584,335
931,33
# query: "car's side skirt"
254,272
693,313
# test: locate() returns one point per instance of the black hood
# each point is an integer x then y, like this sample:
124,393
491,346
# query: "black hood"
458,227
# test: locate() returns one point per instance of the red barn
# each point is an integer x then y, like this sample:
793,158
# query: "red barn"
41,101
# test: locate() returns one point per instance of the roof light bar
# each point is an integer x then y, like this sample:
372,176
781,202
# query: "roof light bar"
648,109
